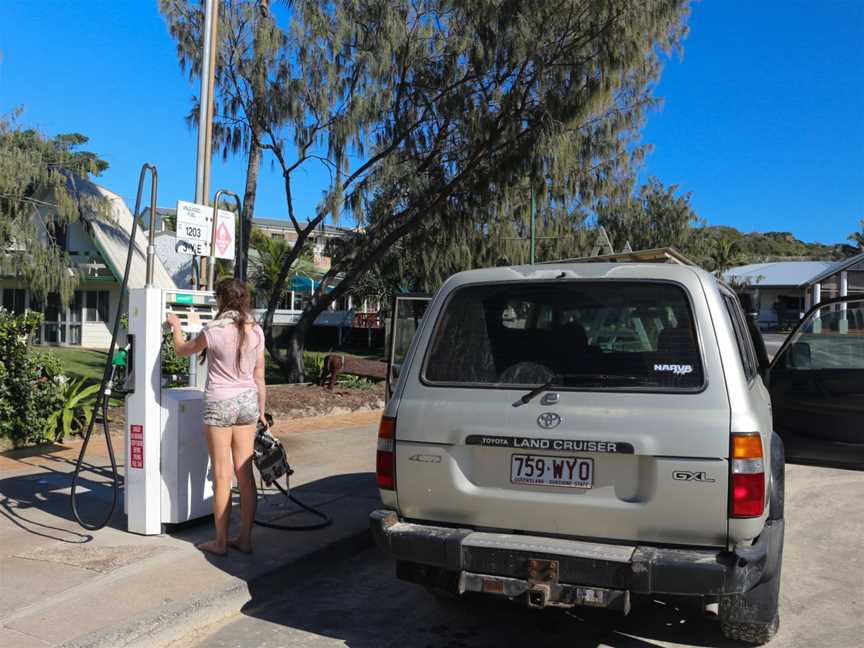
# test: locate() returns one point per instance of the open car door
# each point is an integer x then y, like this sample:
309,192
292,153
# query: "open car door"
408,311
816,382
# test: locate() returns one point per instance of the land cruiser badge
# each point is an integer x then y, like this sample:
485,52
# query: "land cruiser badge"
548,420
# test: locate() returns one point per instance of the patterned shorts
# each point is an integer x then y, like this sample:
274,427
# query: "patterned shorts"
240,410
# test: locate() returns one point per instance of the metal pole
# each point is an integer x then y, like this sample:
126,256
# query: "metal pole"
204,109
533,227
211,277
151,247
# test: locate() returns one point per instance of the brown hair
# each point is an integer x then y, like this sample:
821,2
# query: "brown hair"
233,294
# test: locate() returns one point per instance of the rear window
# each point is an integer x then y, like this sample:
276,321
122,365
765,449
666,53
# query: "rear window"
579,335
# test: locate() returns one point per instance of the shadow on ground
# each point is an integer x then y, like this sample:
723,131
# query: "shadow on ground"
40,503
347,498
358,602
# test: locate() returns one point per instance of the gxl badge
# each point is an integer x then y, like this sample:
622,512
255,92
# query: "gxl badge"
548,420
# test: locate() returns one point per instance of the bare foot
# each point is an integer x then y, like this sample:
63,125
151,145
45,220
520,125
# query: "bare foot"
242,547
213,546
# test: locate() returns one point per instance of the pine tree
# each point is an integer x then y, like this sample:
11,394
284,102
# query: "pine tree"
432,116
38,202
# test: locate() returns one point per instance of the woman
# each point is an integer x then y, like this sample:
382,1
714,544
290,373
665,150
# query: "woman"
234,401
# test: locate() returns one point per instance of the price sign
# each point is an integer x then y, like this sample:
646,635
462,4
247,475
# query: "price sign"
195,228
193,222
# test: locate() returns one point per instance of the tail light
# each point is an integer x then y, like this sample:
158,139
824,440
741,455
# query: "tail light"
748,476
385,458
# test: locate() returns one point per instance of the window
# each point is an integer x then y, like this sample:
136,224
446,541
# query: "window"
579,335
830,340
14,299
96,306
742,337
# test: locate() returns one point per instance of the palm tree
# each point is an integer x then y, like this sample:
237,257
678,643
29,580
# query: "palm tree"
857,238
268,259
723,256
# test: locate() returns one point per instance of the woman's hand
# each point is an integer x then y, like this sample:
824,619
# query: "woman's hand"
172,320
263,421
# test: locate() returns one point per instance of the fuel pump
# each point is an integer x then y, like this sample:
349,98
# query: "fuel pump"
168,475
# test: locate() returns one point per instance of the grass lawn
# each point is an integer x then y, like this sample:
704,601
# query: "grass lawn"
89,363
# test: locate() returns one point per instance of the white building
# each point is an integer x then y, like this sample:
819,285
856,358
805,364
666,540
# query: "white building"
787,289
97,246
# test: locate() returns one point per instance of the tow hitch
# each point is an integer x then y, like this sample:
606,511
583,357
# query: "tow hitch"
541,589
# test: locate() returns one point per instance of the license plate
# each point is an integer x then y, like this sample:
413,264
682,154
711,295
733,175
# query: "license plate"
545,470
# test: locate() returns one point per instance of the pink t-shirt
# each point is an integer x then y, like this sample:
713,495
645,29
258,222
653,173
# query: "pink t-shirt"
224,378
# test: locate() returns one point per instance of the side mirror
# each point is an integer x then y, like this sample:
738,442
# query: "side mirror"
749,303
799,356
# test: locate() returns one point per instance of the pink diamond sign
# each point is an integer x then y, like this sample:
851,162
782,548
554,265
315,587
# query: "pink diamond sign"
224,241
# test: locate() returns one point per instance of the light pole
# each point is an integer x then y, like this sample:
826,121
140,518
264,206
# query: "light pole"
533,225
205,113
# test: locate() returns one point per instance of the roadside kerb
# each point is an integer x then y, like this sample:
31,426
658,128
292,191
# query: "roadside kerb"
148,601
182,618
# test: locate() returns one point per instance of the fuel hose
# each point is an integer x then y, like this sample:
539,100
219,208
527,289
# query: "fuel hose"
103,397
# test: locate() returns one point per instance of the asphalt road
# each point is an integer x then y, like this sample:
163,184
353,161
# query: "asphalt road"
358,602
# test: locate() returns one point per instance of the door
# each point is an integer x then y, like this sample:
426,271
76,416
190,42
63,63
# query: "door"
816,382
408,311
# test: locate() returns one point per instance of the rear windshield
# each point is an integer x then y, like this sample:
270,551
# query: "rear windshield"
576,334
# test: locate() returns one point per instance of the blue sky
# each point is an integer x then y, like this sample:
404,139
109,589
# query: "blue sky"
763,119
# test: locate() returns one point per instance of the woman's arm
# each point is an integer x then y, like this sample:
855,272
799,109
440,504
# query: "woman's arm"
182,347
261,384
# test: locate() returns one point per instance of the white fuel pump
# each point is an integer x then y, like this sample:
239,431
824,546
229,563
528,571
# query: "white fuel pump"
168,477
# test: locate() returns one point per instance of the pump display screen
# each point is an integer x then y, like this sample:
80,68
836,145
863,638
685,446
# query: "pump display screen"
193,309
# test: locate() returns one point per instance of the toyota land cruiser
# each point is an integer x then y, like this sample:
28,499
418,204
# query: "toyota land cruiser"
570,434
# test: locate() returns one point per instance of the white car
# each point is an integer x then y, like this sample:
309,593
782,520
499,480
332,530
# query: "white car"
570,434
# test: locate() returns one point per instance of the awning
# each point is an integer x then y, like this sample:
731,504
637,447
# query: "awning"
303,284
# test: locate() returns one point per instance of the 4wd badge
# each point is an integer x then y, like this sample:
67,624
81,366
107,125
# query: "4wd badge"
548,420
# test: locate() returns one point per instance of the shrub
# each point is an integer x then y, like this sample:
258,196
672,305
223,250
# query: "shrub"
313,367
32,385
172,364
76,408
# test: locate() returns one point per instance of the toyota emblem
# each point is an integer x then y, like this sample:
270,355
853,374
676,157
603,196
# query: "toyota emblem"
548,420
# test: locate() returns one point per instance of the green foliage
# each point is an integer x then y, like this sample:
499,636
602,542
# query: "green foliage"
724,256
172,364
32,385
857,238
656,217
75,410
355,382
314,366
704,242
39,201
269,259
433,117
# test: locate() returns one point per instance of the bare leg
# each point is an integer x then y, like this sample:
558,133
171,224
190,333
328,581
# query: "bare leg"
219,445
242,443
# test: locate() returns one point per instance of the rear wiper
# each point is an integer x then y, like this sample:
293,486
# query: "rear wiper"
539,389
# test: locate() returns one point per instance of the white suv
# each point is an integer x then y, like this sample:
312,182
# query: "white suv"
568,434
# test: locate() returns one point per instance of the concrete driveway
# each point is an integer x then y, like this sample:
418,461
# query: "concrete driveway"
358,602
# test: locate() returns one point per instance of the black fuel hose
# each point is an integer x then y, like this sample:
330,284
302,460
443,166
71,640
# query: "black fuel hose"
104,395
326,520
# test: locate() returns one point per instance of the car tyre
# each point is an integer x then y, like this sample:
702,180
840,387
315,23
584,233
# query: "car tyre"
752,633
754,617
778,475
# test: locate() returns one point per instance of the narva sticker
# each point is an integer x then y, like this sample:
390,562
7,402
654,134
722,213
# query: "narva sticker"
677,369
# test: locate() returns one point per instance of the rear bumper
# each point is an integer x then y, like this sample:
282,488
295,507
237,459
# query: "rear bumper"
432,552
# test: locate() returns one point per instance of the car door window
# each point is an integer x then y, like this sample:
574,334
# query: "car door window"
742,337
